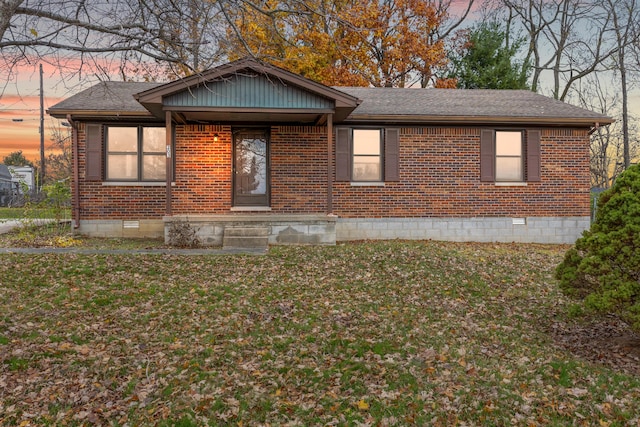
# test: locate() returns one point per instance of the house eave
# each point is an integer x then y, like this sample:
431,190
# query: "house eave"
88,114
247,110
475,120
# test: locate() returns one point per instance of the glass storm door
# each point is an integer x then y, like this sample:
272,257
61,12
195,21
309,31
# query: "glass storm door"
251,168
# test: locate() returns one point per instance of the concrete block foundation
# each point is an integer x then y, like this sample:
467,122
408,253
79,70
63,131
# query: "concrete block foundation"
327,229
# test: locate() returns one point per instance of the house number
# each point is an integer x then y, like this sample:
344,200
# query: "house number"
168,151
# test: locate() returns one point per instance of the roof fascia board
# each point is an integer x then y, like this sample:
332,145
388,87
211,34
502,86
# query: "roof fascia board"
462,120
249,110
79,114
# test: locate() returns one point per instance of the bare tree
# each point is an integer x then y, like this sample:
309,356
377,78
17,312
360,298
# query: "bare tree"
573,42
59,162
625,17
569,39
140,38
607,142
445,33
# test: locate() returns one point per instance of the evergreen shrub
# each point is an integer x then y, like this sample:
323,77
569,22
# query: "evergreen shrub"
603,268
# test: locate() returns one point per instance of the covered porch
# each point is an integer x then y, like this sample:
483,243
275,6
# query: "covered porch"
263,125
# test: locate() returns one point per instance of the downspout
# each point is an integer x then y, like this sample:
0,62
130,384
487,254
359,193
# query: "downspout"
329,164
169,164
76,174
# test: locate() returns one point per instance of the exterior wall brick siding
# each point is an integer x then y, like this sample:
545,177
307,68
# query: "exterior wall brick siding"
98,201
299,169
203,169
439,177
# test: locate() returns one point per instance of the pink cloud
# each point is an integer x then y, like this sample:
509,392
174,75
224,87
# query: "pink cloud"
20,99
20,124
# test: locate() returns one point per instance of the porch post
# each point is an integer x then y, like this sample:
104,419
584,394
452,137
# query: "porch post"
169,162
329,163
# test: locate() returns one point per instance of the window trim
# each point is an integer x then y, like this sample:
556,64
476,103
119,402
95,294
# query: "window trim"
522,156
140,154
380,155
390,155
531,155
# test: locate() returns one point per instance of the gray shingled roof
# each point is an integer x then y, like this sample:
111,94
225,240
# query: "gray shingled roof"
106,96
462,102
382,103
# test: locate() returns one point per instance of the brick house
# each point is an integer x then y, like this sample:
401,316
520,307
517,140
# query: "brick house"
249,145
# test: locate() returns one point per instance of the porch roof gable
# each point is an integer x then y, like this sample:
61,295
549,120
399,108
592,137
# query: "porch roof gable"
246,90
246,86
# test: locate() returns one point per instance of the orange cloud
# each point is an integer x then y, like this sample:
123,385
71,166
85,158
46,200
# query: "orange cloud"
20,100
20,125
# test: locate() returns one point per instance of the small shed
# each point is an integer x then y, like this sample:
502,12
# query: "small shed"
5,185
23,175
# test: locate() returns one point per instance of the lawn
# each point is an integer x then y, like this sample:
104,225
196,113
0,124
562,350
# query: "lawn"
389,333
33,213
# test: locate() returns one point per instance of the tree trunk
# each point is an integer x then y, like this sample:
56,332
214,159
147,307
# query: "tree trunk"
7,9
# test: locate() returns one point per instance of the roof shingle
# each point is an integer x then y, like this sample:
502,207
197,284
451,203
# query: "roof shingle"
106,96
462,102
399,104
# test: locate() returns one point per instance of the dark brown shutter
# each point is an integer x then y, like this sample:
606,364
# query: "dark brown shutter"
343,154
392,155
533,155
94,153
487,155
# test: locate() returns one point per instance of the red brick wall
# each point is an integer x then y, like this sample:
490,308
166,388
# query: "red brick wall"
439,176
98,201
299,169
203,170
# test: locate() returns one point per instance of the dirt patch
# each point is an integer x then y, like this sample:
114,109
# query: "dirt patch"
608,341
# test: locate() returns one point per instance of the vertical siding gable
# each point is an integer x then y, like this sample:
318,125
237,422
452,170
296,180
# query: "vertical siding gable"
248,91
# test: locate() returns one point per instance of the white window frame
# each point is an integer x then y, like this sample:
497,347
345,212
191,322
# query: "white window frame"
379,154
521,156
111,155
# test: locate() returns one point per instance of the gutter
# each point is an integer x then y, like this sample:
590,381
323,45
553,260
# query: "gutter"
473,120
594,128
92,114
76,174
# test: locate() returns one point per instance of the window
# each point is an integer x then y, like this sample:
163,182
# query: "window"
367,155
367,159
509,162
510,156
135,153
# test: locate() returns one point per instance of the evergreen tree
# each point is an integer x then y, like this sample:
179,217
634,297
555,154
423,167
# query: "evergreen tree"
17,159
487,61
603,269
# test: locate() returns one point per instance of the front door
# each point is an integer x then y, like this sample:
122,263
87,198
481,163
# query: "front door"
251,168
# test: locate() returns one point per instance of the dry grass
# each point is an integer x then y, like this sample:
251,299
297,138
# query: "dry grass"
388,333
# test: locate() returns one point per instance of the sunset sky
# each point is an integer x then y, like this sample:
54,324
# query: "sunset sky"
20,100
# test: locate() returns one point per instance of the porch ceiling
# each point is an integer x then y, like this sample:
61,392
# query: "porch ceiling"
251,117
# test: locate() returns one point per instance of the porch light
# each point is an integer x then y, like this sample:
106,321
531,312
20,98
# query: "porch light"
215,137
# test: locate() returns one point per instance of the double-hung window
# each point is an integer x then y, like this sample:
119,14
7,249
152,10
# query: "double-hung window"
135,153
509,160
367,155
510,156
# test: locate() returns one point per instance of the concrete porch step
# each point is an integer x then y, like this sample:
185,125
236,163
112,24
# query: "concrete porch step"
245,237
